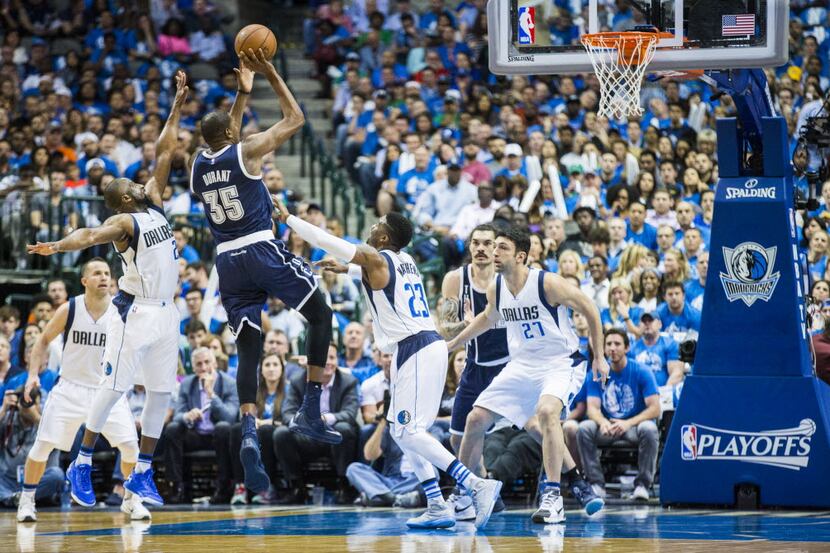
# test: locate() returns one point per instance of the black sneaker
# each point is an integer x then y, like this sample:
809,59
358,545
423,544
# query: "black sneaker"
582,491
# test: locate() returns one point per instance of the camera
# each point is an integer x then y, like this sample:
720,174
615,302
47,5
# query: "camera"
688,348
21,402
387,399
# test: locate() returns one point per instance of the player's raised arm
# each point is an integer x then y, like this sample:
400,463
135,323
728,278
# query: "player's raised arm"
368,258
117,228
244,86
560,291
262,143
38,355
167,143
482,322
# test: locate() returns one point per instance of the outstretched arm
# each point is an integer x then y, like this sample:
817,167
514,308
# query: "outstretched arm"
262,143
118,228
244,85
482,322
557,290
37,359
368,258
167,143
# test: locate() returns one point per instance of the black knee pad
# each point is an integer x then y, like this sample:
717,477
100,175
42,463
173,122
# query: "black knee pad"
318,315
249,350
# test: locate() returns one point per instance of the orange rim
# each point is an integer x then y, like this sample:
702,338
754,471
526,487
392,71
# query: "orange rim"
632,46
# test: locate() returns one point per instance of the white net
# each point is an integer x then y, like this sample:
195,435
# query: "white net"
620,61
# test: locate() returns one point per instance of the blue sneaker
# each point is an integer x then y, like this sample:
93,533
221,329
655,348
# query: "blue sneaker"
256,479
314,428
142,484
80,482
590,501
436,516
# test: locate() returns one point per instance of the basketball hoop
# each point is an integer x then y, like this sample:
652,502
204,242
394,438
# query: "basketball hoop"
620,61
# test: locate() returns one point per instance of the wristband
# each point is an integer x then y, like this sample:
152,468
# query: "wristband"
242,91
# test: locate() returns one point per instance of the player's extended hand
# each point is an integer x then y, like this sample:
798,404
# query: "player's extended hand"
181,89
601,369
279,205
32,382
244,77
42,248
332,265
257,61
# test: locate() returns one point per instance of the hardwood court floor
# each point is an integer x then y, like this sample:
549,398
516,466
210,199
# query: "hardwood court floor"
331,530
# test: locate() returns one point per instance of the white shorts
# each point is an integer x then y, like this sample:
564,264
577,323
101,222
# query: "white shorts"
514,393
143,347
417,384
66,410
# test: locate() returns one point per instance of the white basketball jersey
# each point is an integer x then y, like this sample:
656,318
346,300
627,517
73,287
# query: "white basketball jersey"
536,331
400,309
151,269
84,340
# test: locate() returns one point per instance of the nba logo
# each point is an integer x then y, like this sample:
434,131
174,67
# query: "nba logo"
527,25
688,442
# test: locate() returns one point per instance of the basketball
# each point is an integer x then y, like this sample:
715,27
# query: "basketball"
256,36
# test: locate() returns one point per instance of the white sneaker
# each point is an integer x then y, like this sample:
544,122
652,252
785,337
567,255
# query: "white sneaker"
133,506
240,495
437,515
484,495
26,511
461,505
599,490
640,493
551,508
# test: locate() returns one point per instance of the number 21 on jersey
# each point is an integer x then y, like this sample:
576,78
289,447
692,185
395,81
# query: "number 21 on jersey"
418,306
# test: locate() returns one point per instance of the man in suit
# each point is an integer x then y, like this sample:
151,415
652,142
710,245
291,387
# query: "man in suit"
206,408
339,404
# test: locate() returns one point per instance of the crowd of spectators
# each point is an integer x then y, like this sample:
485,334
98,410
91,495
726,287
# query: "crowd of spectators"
420,126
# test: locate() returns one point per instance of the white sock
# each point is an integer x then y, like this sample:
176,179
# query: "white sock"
28,493
145,463
84,456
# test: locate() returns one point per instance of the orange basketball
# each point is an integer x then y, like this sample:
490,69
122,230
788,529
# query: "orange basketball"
256,36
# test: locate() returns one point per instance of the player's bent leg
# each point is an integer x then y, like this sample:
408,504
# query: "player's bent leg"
131,503
551,507
32,473
483,492
79,472
307,421
249,348
472,444
141,480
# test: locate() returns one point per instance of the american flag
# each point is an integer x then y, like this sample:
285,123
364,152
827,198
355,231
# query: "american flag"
738,25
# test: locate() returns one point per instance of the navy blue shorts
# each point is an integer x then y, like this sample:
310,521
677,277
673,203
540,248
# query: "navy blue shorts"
249,275
474,380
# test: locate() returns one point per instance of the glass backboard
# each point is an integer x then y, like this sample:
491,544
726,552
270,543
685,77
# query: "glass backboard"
543,36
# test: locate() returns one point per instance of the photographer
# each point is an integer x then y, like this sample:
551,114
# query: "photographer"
381,489
18,427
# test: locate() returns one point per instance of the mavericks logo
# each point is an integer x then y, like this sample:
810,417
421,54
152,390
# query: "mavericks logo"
788,448
749,275
751,190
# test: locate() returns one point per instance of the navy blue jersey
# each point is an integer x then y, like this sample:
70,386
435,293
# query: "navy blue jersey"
490,348
237,203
